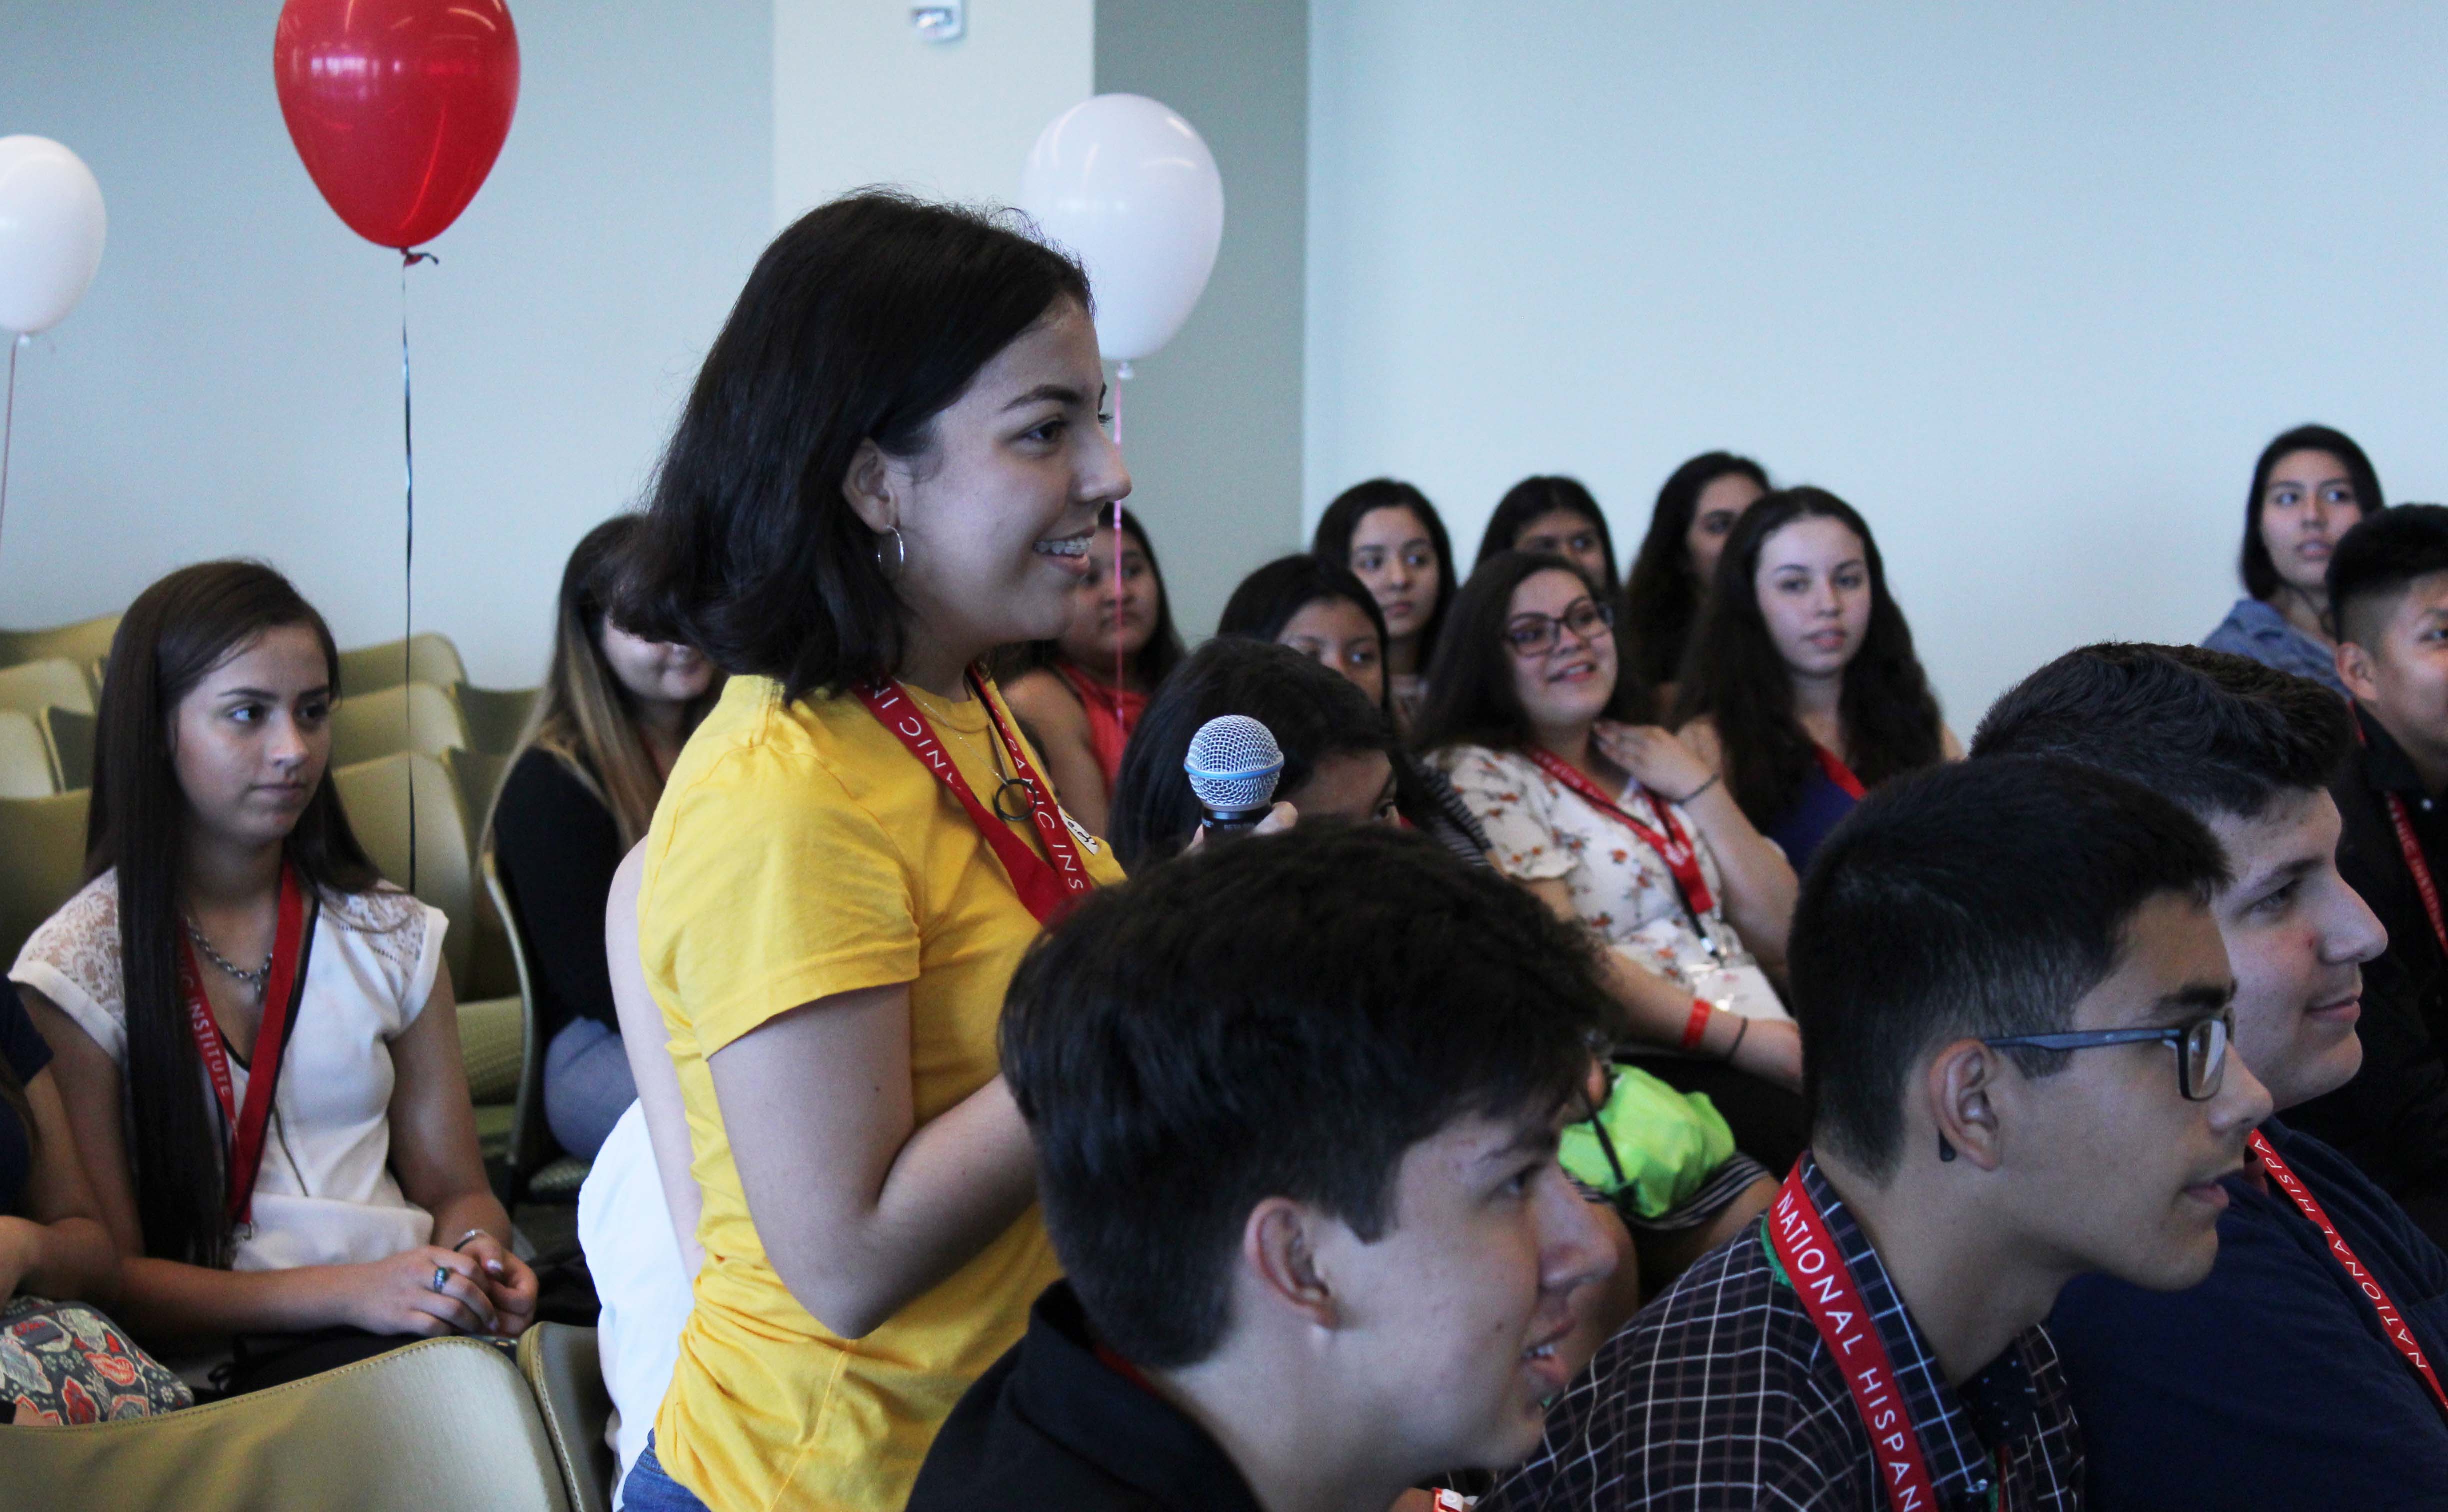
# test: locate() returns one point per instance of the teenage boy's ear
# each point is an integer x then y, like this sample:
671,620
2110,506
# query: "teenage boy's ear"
1279,1246
1960,1086
2355,671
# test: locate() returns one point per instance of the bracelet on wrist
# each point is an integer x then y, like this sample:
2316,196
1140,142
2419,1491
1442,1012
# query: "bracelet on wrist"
1697,792
460,1245
1696,1025
1741,1030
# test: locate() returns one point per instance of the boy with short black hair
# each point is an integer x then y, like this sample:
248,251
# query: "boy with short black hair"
2013,1003
1297,1103
2388,584
2277,1382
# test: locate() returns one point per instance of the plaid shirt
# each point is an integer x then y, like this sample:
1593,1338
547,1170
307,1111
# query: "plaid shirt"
1722,1394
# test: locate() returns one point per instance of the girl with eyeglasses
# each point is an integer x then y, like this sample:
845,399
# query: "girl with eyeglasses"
1614,823
1802,689
1389,536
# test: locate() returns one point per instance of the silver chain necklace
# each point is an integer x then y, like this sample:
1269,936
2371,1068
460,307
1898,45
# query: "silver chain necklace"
257,981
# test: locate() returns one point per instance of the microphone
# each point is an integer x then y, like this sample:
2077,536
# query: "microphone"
1232,765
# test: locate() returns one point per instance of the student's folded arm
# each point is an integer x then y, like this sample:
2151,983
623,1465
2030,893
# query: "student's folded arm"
1760,883
60,1248
859,1209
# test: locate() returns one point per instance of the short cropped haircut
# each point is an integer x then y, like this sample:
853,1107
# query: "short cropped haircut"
1976,899
2221,735
2376,560
1276,1017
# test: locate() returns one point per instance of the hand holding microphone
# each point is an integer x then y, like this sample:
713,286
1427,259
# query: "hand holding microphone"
1232,765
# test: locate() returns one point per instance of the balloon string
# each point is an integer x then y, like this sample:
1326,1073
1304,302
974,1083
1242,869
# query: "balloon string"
1121,678
9,427
408,588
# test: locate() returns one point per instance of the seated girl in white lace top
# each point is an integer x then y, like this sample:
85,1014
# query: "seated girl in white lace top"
1612,821
236,930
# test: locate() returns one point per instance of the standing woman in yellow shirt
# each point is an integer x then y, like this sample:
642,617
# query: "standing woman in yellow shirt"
892,463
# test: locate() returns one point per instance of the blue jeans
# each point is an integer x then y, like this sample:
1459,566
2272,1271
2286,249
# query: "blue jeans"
586,1085
648,1489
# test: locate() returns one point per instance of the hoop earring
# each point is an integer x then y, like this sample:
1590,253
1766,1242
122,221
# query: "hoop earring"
900,562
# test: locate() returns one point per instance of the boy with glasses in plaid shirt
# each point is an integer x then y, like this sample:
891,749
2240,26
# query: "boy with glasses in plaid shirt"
2013,999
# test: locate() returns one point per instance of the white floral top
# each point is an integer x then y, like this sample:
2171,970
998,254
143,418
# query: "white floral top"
1620,887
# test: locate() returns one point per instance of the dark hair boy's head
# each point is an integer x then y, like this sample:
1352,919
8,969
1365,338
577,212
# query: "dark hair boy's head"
1472,699
2375,562
2260,574
1977,899
2220,734
1278,1016
862,322
1312,713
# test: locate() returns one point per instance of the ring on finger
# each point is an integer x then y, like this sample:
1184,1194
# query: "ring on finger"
441,1279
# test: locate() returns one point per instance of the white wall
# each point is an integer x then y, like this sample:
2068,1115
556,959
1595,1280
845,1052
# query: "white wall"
859,98
231,384
2029,285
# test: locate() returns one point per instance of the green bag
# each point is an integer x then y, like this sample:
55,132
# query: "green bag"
1667,1143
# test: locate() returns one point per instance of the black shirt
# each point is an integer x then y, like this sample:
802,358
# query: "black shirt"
21,1046
2269,1386
557,845
1052,1426
2392,1119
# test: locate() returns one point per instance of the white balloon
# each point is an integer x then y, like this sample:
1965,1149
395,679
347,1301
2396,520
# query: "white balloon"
51,226
1127,185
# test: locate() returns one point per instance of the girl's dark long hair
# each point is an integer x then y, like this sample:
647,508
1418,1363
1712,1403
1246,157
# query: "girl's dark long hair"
862,322
1662,594
1342,520
1471,697
2261,576
1155,659
174,633
1738,678
1268,599
1534,498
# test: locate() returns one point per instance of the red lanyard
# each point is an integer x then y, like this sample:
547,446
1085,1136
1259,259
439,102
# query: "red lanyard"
1047,888
1672,845
2391,1322
271,1041
2407,842
1825,1283
2412,846
1839,774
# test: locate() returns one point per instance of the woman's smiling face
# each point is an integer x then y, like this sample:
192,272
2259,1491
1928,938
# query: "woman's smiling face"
997,514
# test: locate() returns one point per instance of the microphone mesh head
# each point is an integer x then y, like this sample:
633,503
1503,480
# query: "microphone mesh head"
1233,765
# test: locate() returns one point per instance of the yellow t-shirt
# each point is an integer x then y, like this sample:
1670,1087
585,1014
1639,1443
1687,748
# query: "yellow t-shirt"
800,851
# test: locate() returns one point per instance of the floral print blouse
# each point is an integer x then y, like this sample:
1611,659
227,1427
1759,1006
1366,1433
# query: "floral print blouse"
1620,886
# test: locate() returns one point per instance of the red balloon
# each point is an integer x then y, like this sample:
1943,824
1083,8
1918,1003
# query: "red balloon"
398,106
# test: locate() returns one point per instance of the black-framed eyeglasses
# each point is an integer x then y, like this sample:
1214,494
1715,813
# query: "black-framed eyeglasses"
1535,635
2201,1050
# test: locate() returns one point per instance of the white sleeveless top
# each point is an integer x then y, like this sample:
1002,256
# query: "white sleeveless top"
325,1195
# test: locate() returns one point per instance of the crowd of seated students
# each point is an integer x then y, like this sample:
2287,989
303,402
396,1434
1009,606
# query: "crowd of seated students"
1329,1166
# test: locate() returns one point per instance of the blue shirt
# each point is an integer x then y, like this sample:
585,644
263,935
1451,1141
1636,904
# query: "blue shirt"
1821,806
2270,1385
2255,630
